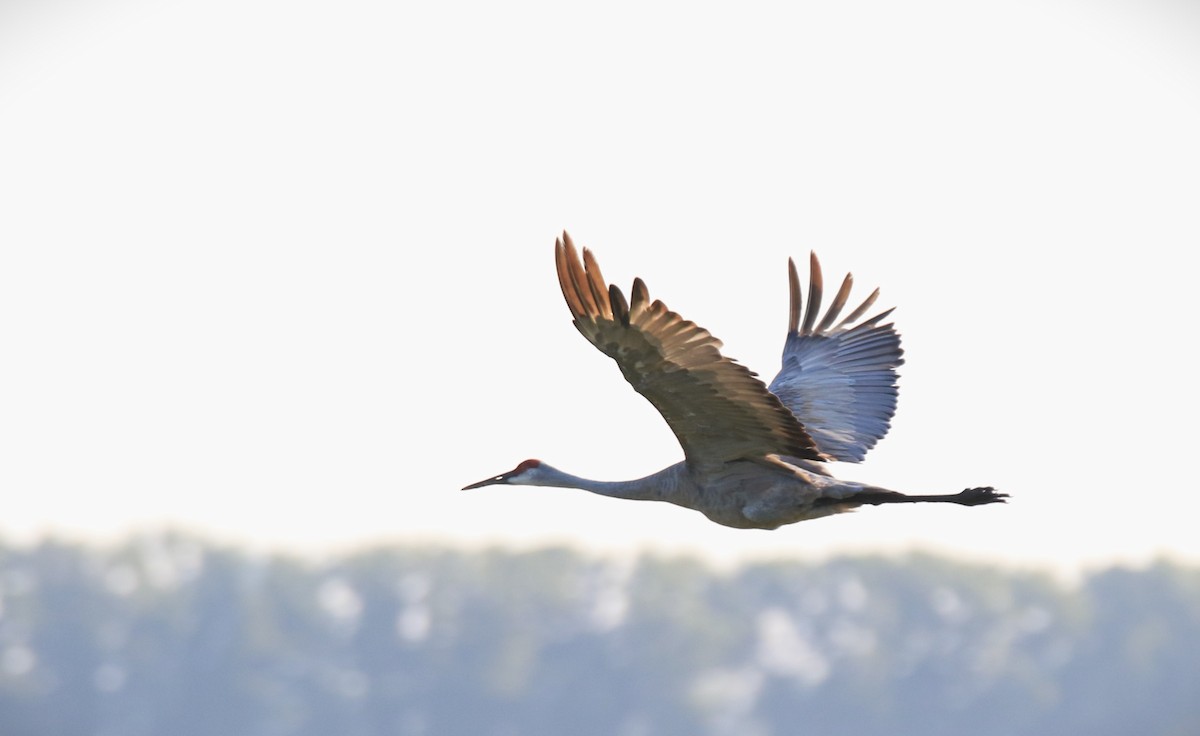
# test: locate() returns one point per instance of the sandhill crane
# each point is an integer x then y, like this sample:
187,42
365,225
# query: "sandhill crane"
752,453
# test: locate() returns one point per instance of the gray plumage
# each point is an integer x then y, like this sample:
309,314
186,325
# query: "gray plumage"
752,454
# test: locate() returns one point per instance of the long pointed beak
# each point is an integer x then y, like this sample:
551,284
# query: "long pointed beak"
488,482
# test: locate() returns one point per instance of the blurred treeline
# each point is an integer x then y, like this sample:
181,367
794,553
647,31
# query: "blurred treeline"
173,635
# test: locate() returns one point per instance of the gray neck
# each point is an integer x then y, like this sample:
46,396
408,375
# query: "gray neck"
661,486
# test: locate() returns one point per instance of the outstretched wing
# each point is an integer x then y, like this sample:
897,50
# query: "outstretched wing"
717,408
838,379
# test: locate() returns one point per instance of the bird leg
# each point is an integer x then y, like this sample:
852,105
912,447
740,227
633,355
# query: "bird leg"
969,497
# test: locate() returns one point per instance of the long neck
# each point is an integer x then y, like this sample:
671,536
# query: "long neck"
660,486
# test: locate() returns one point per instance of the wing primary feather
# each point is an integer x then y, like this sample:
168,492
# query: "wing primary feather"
564,278
861,308
579,281
839,302
597,285
793,298
815,288
620,308
640,298
876,319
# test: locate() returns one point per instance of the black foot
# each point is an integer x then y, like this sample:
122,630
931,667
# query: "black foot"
980,496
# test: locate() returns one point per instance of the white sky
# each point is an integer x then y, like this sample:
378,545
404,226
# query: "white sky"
282,272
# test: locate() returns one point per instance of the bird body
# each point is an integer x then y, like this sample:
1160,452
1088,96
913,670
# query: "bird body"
753,454
743,494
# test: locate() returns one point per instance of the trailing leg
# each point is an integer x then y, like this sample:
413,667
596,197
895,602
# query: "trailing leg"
969,497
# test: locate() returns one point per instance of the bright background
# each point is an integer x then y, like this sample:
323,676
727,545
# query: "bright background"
282,272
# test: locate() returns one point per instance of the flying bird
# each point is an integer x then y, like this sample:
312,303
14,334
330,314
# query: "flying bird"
753,454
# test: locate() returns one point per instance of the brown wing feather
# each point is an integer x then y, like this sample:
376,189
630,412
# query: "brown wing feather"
717,408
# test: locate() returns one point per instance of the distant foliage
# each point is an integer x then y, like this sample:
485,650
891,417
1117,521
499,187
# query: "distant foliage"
171,635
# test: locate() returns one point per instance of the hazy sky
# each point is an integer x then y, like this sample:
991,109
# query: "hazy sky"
282,272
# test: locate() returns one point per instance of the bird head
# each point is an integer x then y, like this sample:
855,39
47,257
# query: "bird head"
520,475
